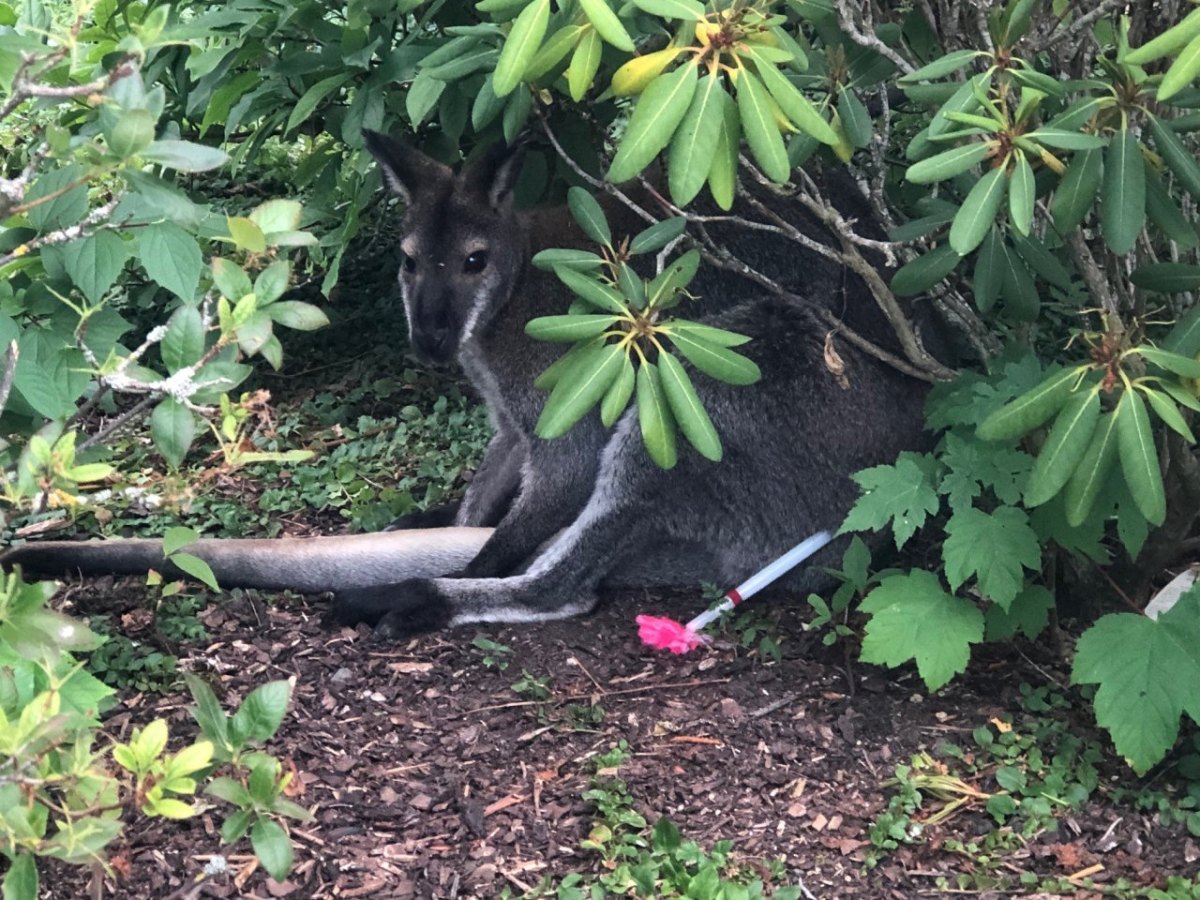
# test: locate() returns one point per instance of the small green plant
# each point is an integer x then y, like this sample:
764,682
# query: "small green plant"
494,655
256,783
832,616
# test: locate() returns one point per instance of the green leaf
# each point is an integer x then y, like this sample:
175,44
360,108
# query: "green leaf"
1123,194
587,212
1029,614
1172,362
184,156
579,390
657,235
619,392
312,98
173,428
1184,337
1032,250
520,46
1021,298
423,95
708,333
176,538
962,100
272,282
1148,672
691,155
792,103
1022,193
687,409
1166,410
230,280
273,848
1062,139
1176,155
599,295
568,329
1165,213
1139,459
298,315
1011,547
1167,278
978,212
912,617
654,417
856,121
687,10
1076,193
901,494
549,260
208,713
1168,42
1092,472
1182,72
1065,446
67,207
950,163
606,23
585,62
171,257
674,278
183,344
941,67
197,568
95,262
1031,409
920,274
722,176
758,123
712,359
21,879
659,111
262,712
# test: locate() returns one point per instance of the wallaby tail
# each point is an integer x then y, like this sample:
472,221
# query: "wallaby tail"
310,565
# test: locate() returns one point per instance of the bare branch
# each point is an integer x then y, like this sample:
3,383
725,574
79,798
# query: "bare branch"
870,41
90,225
1072,30
11,355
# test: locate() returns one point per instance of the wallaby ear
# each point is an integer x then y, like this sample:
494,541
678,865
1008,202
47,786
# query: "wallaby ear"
405,170
494,175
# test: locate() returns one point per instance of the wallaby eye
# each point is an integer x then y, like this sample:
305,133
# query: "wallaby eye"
476,262
410,264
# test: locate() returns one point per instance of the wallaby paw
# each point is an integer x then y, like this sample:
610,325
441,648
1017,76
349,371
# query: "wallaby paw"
416,606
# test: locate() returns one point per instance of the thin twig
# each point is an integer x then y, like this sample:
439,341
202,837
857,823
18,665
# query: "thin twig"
870,41
11,355
1062,34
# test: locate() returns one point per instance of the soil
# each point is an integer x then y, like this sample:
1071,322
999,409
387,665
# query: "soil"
430,777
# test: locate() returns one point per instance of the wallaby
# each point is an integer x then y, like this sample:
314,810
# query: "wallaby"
590,509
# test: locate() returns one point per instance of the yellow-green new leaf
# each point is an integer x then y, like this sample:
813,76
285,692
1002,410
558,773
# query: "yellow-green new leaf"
654,417
520,46
689,412
585,62
1092,471
609,27
1182,72
758,123
1031,409
1167,42
1064,448
691,156
579,390
978,212
633,77
659,111
1139,458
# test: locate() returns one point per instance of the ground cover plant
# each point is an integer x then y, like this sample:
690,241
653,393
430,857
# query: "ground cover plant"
180,179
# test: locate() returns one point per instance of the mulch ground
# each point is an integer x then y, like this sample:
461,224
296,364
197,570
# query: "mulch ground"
428,776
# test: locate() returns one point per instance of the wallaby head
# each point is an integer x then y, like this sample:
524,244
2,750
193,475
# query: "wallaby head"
463,244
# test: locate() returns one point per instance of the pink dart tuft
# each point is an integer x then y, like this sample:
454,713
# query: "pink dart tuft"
667,634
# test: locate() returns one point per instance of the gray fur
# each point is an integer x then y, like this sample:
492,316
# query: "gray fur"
590,509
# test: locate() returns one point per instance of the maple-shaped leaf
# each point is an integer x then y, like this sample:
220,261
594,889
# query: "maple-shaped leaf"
902,494
912,617
1085,539
1028,614
971,397
1149,675
995,547
974,465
